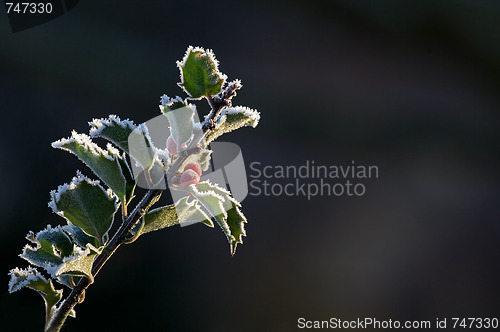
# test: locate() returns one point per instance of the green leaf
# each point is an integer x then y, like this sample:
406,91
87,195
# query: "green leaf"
141,148
170,104
200,75
158,219
79,264
54,250
49,248
113,129
171,215
233,118
191,212
181,123
224,208
85,204
106,164
79,237
31,278
236,221
210,199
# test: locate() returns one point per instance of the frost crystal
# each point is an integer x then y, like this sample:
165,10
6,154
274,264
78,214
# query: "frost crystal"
23,277
86,142
56,194
97,125
165,100
190,49
212,77
251,114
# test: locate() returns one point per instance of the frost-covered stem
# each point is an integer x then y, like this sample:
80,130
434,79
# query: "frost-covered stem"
218,102
55,324
211,102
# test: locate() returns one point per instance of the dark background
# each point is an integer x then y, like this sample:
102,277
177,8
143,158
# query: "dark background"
410,86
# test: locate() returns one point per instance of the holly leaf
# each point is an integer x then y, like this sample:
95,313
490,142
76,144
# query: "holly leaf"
200,75
140,147
113,129
54,250
79,264
85,204
236,221
106,164
157,219
181,123
191,212
233,118
31,278
48,247
183,211
221,205
79,237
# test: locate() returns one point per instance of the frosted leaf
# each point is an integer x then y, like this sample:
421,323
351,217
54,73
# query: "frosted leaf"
31,278
171,103
85,204
48,247
141,147
213,202
86,144
54,250
181,123
236,221
224,208
20,278
251,115
79,237
113,129
166,216
157,219
191,212
106,164
233,118
79,264
199,73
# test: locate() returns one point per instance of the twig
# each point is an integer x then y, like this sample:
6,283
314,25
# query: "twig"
217,104
57,321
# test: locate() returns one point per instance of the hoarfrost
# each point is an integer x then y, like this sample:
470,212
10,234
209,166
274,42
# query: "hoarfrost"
208,52
56,194
165,100
97,125
86,142
23,277
252,114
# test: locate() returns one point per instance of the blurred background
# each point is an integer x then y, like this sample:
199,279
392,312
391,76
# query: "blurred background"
410,86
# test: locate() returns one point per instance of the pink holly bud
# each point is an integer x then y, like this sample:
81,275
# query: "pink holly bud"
189,177
195,167
171,146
